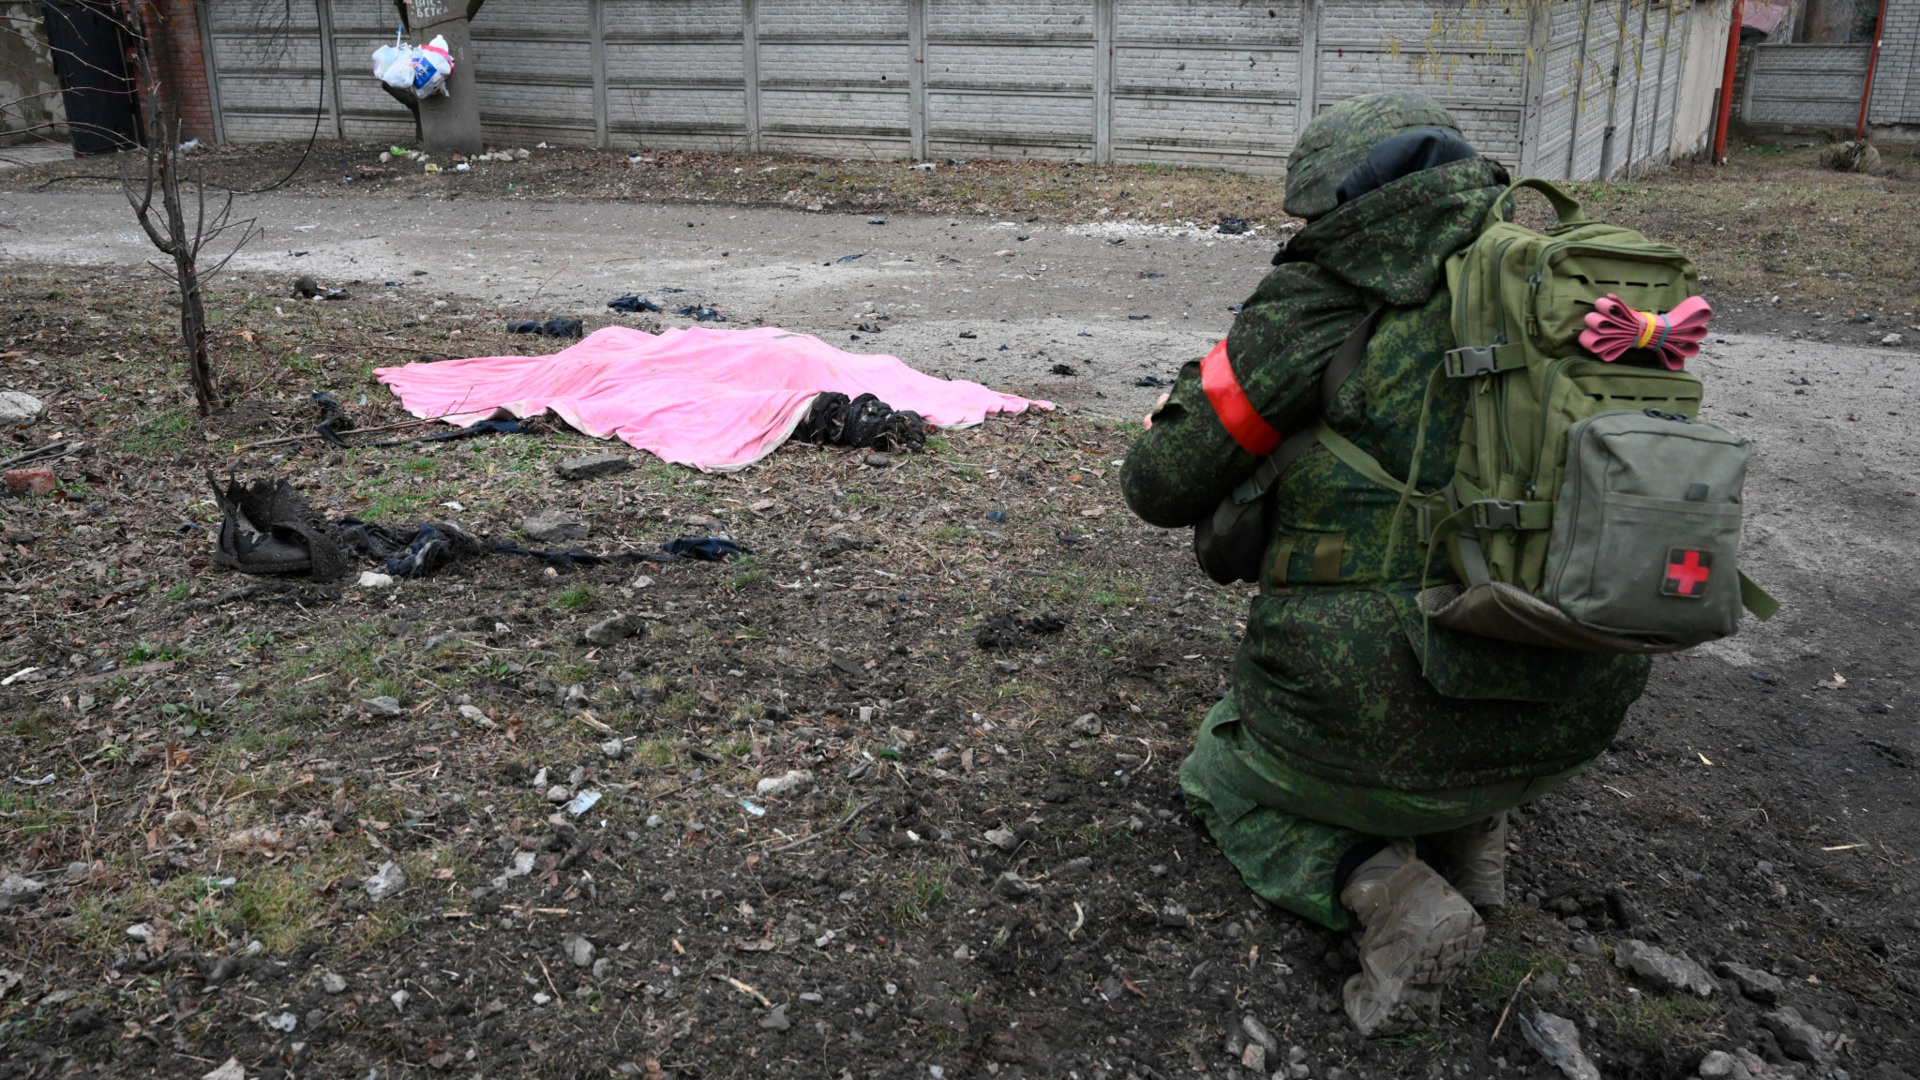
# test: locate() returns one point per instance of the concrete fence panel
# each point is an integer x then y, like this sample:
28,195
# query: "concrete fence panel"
1567,88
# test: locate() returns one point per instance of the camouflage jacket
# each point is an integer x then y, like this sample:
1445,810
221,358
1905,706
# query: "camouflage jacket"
1339,675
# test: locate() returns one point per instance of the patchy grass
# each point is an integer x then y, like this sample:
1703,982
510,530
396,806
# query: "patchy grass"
577,597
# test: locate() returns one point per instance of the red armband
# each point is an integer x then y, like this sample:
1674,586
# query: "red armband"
1230,404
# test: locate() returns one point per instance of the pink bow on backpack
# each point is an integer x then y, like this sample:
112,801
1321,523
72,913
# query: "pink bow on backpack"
1613,328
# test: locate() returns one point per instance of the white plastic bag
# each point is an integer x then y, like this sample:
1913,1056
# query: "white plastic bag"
393,65
432,64
424,70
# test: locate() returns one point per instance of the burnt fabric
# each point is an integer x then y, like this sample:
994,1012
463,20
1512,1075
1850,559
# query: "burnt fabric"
836,420
1339,677
266,527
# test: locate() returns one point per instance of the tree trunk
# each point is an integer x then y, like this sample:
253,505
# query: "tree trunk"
450,122
193,316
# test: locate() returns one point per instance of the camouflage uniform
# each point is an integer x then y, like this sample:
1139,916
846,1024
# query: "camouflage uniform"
1349,717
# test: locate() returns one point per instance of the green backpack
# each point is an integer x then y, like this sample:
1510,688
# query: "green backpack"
1589,508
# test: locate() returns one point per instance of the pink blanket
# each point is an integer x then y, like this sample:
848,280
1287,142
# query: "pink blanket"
712,399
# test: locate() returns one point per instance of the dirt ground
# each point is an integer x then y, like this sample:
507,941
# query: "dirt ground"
202,784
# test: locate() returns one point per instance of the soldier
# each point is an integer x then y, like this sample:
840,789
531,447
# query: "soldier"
1360,746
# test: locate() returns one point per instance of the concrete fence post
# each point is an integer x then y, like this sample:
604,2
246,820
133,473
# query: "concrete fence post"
1103,82
597,44
750,68
329,65
917,78
1309,66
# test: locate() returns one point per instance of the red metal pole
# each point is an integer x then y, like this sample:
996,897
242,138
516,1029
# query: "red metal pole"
1726,84
1873,57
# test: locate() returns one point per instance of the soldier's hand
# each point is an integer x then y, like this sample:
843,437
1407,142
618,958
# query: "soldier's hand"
1157,406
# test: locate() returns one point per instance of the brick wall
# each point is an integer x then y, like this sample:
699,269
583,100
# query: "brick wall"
1896,76
181,66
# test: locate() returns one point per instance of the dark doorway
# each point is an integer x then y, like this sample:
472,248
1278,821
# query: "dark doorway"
90,56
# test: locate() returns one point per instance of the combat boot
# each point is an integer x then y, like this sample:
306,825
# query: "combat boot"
1477,861
1419,936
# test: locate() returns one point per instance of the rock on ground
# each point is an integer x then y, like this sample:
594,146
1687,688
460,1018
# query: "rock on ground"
1661,968
18,890
553,526
796,780
384,705
1761,986
1799,1039
592,465
1558,1040
613,630
17,407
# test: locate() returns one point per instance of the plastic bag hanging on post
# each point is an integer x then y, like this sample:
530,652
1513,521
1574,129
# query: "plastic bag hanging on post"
423,70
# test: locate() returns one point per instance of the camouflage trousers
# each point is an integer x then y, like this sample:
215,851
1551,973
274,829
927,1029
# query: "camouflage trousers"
1286,830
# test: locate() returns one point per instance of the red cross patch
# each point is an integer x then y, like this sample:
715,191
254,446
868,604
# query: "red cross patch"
1687,572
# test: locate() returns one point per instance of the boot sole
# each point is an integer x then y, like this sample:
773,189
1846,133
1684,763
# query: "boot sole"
1445,954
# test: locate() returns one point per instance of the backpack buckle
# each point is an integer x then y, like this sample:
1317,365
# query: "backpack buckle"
1469,361
1496,514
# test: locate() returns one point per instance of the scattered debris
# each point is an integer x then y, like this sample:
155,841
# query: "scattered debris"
632,302
1003,631
837,420
570,328
704,549
1230,225
386,881
38,480
700,313
1854,155
1063,369
306,288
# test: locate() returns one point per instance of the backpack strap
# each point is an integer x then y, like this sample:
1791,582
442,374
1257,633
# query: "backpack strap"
1565,206
1345,361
